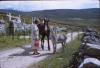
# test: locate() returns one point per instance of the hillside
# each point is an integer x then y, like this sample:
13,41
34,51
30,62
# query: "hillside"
63,15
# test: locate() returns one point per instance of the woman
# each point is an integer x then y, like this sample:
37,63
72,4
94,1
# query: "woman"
35,37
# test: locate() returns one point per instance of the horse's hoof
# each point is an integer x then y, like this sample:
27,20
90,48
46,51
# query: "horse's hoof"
49,49
42,48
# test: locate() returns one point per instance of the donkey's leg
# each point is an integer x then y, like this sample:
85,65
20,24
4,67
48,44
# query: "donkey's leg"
63,46
54,48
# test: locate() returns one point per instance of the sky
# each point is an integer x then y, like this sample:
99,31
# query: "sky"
47,5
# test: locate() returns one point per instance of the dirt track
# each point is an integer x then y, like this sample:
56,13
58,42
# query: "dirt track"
22,57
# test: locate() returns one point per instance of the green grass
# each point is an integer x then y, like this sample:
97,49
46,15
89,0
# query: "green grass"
60,59
8,42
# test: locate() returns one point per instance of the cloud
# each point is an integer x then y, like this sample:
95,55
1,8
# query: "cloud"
43,5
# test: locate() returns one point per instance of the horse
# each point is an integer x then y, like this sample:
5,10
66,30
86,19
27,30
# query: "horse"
57,37
44,31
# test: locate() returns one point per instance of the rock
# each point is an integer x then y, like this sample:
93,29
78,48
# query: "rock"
92,50
91,39
90,63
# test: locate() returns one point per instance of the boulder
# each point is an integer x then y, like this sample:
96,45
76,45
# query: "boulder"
90,63
91,39
92,50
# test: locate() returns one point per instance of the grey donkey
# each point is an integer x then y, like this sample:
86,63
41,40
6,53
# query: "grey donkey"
57,37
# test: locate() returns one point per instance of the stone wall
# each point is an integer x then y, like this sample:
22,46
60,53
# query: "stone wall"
88,55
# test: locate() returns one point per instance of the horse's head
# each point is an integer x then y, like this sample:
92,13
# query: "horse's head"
46,20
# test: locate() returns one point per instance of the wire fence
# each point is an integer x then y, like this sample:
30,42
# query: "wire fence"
17,33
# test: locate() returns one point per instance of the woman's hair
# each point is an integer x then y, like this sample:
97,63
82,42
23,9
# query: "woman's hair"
36,21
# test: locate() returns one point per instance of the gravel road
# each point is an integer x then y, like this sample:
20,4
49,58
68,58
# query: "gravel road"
22,57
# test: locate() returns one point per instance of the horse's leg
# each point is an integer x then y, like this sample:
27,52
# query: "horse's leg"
42,42
39,36
48,42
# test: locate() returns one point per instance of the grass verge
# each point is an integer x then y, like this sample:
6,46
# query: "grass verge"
60,59
7,42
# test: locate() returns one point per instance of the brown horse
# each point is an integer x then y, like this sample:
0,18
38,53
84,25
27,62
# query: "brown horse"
44,30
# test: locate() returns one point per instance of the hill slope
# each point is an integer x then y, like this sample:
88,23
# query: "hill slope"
64,15
61,13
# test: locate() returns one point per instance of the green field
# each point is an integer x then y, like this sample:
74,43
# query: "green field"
60,59
7,42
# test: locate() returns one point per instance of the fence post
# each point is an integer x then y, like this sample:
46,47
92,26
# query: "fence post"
11,29
24,34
